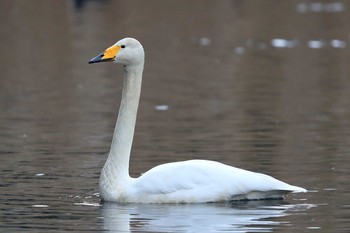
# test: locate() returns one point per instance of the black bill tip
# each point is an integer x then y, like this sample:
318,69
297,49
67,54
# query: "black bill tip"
99,58
96,59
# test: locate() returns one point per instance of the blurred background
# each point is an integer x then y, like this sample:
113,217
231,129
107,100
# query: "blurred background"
261,85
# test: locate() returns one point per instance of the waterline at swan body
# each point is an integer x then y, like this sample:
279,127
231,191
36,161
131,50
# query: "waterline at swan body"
192,181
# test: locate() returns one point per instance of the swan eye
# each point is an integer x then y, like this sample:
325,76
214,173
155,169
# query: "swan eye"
123,46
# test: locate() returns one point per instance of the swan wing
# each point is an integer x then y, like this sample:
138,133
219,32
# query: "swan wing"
206,181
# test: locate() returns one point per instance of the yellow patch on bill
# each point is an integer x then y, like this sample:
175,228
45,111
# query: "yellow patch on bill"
111,52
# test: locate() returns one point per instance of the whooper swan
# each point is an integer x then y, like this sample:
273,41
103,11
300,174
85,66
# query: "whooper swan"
192,181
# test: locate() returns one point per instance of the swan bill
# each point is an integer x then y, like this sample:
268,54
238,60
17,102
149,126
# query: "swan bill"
107,55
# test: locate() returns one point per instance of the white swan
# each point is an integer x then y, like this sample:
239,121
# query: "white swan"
192,181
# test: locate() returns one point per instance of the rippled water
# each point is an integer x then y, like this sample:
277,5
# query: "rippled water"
262,85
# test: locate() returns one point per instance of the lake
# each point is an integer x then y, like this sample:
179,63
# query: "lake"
260,85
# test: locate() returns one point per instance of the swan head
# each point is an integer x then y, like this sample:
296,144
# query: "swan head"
128,52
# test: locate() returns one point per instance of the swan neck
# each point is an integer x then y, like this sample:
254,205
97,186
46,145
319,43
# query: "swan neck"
125,126
116,169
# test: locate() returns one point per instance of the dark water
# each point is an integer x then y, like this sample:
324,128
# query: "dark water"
262,85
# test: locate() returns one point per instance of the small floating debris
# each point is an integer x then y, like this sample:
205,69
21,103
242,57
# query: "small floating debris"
88,204
239,50
204,41
317,7
316,44
161,107
313,228
335,43
283,43
40,174
40,206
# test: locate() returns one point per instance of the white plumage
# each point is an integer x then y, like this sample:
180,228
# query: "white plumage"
193,181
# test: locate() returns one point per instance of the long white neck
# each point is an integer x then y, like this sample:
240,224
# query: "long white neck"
116,169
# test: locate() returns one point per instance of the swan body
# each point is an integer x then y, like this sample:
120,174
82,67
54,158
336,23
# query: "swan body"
192,181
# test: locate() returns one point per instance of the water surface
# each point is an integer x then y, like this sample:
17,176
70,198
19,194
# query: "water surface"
261,85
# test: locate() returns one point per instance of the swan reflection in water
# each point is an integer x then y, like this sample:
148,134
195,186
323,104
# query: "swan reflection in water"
213,217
